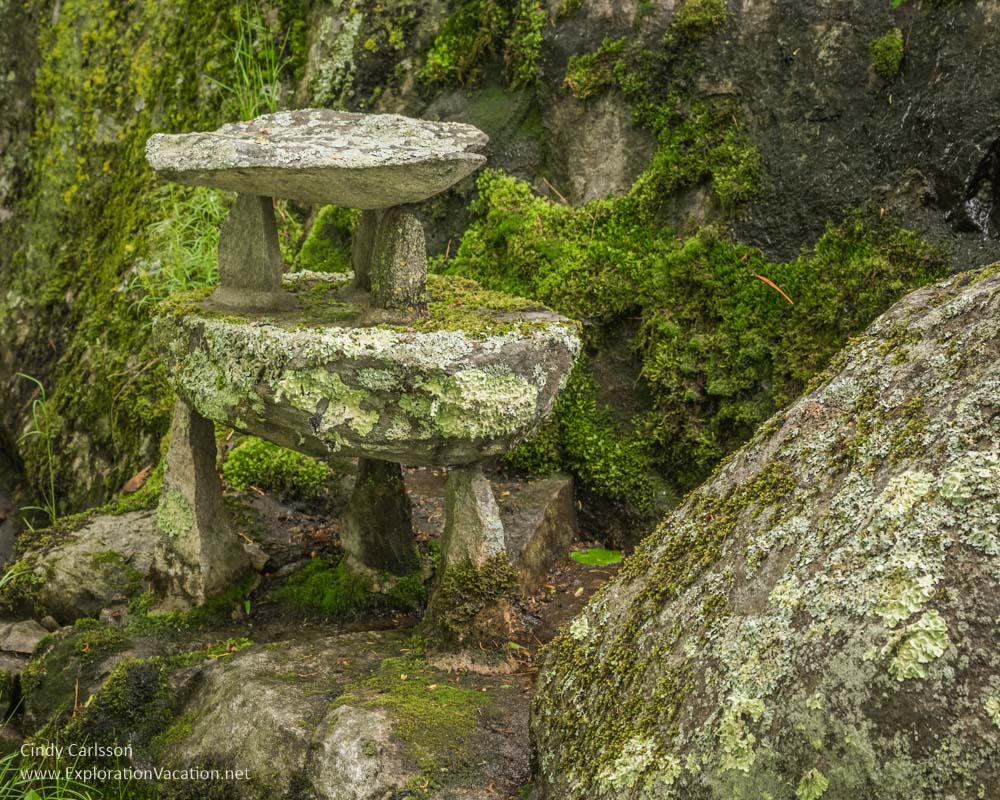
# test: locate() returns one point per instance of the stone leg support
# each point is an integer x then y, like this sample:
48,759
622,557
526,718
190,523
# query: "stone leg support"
203,556
398,275
250,265
378,529
361,249
473,531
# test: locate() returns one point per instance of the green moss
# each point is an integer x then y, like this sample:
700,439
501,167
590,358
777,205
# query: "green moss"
432,716
478,30
259,463
887,53
338,591
721,351
132,705
327,248
111,74
589,74
465,603
694,19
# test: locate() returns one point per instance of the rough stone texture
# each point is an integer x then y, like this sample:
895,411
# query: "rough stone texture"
301,715
398,272
10,669
324,157
473,530
202,556
540,526
819,619
410,396
596,148
21,637
250,265
362,246
378,531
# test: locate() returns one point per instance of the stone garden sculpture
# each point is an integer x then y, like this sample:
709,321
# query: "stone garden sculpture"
390,365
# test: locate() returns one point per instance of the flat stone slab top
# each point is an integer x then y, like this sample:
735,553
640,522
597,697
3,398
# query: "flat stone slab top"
366,161
466,380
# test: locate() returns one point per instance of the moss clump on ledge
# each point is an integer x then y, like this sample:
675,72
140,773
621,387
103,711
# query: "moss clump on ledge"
467,606
257,462
887,54
478,30
327,247
453,303
337,591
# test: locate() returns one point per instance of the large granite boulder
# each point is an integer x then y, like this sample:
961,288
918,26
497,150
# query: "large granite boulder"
820,618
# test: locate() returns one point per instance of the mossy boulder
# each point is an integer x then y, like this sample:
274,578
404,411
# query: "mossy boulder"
819,618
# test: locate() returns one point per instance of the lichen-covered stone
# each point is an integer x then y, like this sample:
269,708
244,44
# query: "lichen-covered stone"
325,157
818,619
417,392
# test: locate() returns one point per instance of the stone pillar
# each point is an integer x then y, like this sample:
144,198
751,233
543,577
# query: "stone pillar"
378,529
399,260
203,556
361,249
472,529
250,265
470,610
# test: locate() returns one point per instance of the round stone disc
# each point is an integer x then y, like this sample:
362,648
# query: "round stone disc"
320,156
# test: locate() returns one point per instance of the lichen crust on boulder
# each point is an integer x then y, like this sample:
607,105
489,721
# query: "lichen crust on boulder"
326,157
436,391
819,619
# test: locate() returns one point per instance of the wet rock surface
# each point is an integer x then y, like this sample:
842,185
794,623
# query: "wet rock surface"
818,619
323,156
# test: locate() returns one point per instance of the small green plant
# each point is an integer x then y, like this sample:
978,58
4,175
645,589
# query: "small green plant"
259,463
258,61
887,54
43,427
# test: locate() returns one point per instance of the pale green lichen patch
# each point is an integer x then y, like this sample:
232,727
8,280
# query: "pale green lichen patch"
174,515
812,786
992,706
919,644
736,742
479,404
310,389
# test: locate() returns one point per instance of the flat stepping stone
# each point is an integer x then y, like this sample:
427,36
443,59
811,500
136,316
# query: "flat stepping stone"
366,161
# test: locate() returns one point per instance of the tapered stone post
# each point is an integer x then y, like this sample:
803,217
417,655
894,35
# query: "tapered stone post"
470,610
250,265
378,529
399,260
203,555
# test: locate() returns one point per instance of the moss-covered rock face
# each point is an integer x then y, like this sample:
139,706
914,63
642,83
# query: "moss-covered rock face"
474,376
818,619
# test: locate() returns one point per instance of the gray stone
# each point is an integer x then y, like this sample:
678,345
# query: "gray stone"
354,756
106,561
362,246
819,618
540,526
324,157
50,623
202,555
378,531
417,397
473,530
250,264
22,637
399,260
